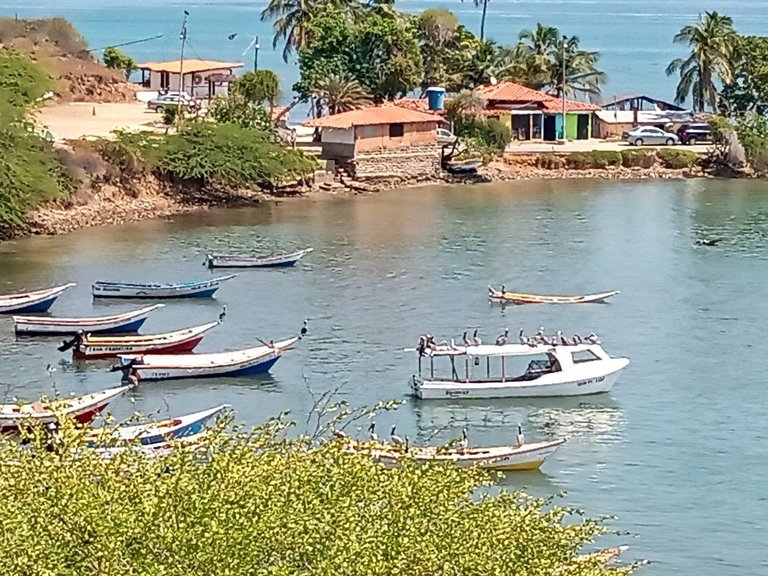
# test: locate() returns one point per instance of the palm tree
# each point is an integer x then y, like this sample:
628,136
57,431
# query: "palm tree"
541,40
338,94
712,40
582,77
484,4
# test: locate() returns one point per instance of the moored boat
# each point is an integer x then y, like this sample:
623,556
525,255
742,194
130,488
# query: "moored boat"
82,409
520,298
36,301
255,261
160,432
516,371
200,289
247,362
126,322
90,347
527,456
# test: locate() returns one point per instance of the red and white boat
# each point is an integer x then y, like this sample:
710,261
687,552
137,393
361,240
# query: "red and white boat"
91,347
82,408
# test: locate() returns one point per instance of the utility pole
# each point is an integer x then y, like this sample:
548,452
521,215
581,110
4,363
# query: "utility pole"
183,38
256,54
565,39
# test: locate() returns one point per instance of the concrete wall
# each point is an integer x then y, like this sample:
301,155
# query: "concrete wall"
337,151
377,139
338,135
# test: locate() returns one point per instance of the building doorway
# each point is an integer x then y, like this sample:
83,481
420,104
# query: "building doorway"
550,128
582,127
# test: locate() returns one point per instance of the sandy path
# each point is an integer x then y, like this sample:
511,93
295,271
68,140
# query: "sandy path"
78,119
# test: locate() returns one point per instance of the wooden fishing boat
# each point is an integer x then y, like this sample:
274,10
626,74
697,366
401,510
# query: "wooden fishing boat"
516,371
247,362
31,302
155,450
83,409
519,298
126,322
255,261
527,456
153,433
202,289
89,347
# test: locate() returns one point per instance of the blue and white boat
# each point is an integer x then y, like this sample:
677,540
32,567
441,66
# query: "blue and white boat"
247,362
31,302
119,323
201,289
160,432
255,261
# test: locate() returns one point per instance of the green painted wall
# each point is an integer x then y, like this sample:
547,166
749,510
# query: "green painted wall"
571,126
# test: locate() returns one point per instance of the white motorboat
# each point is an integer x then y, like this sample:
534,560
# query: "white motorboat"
516,371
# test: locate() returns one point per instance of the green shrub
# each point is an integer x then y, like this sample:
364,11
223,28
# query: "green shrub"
550,162
638,158
677,159
491,132
595,159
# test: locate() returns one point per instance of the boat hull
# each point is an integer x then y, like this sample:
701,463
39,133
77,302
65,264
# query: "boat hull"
520,298
277,261
123,323
553,385
31,302
96,352
204,289
249,368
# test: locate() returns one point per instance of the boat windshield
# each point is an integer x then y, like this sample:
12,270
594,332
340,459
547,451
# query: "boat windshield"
582,356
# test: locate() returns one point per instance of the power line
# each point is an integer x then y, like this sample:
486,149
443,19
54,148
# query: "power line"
127,43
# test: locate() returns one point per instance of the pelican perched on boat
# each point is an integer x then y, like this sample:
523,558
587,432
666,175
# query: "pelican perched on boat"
502,340
592,338
521,337
372,432
476,339
466,340
464,443
564,340
520,435
396,440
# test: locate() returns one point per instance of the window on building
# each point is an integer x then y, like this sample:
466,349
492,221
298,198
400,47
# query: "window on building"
165,80
396,130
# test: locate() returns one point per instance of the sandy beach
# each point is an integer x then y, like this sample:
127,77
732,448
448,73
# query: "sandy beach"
81,119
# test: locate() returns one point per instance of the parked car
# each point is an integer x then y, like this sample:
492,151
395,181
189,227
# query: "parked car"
445,137
651,135
172,99
693,133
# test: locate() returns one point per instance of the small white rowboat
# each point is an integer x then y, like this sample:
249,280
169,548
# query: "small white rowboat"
127,322
83,409
202,289
255,261
528,456
31,302
245,362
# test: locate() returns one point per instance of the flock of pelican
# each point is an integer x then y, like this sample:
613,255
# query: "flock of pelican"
427,341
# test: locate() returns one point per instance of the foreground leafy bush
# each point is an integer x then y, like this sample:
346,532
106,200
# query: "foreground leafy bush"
638,158
677,159
256,503
490,132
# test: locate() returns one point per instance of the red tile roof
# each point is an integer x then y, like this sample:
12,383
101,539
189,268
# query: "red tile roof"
556,105
374,115
511,92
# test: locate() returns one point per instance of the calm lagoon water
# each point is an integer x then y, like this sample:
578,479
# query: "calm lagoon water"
635,38
677,450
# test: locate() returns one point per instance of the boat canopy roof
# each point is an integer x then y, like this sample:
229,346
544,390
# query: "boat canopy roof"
510,350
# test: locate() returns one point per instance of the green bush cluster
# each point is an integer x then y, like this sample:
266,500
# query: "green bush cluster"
492,133
211,154
593,159
677,159
550,162
633,158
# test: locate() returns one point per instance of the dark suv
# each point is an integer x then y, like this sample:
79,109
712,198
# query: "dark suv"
694,133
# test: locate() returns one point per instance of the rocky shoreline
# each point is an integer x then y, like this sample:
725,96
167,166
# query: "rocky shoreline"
114,204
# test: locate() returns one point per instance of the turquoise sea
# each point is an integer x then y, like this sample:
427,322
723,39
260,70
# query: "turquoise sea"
634,37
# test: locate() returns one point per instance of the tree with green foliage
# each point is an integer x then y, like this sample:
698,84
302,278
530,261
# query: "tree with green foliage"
712,41
118,60
259,87
257,502
236,108
582,76
380,53
748,91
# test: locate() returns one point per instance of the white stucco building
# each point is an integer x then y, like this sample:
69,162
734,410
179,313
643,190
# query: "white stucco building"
201,78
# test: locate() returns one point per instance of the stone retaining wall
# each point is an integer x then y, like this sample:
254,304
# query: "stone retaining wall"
415,162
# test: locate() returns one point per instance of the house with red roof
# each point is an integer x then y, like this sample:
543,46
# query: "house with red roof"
535,115
381,141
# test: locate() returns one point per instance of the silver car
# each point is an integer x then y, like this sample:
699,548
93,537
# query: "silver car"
173,99
651,135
